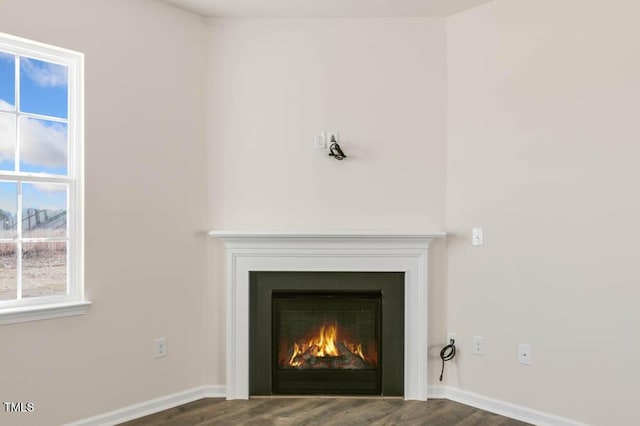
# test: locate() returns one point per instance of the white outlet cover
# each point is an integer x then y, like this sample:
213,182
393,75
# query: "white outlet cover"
525,354
320,141
451,336
477,345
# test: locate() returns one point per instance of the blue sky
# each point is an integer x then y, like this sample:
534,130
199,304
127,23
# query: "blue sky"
47,196
7,78
44,91
43,143
8,198
43,88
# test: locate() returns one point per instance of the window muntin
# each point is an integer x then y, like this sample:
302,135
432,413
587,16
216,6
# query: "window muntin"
41,174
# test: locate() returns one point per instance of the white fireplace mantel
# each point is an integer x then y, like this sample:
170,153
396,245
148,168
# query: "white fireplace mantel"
327,251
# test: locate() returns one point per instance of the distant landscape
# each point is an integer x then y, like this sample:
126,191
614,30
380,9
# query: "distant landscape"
44,263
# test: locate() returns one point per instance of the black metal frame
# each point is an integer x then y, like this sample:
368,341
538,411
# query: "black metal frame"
388,379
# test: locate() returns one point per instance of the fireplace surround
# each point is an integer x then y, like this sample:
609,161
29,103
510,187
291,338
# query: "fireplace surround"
247,252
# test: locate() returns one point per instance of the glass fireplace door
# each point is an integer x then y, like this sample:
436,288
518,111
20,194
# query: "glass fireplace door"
326,343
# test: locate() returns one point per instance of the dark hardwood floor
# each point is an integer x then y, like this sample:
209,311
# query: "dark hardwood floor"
324,411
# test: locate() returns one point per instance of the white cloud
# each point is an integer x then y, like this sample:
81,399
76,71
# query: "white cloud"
43,145
50,187
45,74
6,105
7,136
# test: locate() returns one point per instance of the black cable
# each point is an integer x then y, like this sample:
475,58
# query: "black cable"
447,356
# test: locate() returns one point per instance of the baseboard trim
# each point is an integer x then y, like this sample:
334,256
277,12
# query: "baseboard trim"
434,392
152,406
503,408
437,392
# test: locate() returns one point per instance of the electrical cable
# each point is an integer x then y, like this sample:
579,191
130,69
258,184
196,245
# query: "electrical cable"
447,356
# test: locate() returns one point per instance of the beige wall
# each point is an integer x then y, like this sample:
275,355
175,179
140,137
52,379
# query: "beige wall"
380,82
145,204
543,153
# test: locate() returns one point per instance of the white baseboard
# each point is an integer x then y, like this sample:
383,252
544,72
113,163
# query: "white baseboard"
503,408
434,392
152,406
437,392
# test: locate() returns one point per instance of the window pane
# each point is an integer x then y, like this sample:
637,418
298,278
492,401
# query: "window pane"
44,210
7,141
43,146
8,271
8,209
44,269
7,81
43,88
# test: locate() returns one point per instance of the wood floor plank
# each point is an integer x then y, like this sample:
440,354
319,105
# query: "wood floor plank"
323,412
185,415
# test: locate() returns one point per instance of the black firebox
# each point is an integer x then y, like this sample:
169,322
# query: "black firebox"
326,342
326,333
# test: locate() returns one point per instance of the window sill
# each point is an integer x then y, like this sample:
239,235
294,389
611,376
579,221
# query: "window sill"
43,312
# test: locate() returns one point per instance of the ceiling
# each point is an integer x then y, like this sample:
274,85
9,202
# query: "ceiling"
325,8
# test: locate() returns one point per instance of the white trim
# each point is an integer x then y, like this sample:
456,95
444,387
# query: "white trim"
37,50
334,235
322,251
152,406
71,303
502,408
437,392
43,312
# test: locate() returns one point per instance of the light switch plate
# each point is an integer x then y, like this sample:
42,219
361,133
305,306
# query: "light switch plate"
477,237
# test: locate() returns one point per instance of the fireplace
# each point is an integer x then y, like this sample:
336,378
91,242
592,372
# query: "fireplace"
249,251
326,333
326,343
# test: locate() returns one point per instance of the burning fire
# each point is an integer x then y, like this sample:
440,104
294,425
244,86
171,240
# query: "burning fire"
323,345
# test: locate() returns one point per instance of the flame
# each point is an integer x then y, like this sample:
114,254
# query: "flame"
323,345
355,349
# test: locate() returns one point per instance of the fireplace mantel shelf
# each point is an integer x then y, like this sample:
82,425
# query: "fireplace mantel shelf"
326,235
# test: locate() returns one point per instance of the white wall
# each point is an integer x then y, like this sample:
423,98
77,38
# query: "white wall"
543,153
276,82
145,204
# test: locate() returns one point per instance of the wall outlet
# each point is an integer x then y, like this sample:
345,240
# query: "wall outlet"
161,349
477,345
320,141
451,336
525,354
477,237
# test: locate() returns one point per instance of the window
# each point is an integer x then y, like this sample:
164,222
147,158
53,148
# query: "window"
41,181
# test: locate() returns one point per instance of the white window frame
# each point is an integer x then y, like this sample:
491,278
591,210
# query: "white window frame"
73,303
